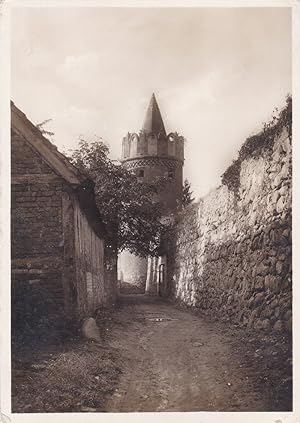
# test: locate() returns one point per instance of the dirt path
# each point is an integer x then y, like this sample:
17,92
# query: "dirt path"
172,360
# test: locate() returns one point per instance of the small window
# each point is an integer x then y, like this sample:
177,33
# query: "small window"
171,174
140,173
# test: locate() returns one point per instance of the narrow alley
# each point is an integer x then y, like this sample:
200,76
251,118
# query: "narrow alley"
172,360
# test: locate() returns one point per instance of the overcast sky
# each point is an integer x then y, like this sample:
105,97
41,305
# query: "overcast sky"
217,75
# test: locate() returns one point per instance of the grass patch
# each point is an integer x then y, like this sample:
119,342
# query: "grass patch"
63,373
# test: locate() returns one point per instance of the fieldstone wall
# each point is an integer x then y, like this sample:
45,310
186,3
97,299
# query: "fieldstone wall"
231,253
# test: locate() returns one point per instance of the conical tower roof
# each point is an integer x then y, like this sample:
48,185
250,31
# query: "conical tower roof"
153,122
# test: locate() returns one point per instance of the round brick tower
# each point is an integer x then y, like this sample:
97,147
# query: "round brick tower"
152,154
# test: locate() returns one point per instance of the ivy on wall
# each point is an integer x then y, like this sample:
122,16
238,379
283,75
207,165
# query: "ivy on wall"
256,144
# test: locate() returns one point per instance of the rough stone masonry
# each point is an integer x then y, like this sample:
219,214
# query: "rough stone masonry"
232,251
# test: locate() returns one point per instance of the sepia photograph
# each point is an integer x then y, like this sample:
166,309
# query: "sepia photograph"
151,209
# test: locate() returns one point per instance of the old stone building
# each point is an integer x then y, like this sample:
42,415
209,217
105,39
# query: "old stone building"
152,154
57,238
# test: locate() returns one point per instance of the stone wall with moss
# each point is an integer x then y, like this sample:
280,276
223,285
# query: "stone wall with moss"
230,254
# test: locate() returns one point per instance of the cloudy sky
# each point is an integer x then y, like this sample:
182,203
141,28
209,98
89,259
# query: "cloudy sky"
217,75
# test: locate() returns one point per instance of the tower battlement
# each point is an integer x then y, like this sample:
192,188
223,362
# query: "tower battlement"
152,140
136,146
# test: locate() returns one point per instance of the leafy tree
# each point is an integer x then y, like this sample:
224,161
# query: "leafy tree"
129,208
187,194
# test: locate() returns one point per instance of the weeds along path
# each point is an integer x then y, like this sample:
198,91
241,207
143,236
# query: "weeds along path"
172,360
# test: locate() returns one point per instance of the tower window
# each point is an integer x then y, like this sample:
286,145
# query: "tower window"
140,173
171,174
